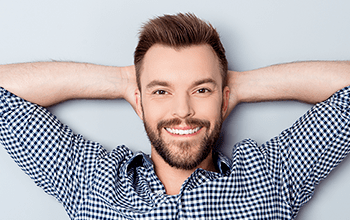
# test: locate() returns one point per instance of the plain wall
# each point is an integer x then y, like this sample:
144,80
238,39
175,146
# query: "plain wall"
255,34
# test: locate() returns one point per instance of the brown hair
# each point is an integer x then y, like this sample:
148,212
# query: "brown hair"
178,31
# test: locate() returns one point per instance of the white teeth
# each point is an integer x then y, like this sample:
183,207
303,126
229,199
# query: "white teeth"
182,132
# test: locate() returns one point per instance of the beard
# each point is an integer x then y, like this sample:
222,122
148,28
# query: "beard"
185,155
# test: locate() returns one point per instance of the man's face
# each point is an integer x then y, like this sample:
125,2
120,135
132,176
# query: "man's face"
182,103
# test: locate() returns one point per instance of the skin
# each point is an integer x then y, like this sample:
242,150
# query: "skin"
183,83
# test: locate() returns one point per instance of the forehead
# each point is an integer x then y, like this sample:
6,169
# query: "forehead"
180,65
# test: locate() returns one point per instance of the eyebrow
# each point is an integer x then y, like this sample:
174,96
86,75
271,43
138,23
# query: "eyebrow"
157,83
166,84
203,81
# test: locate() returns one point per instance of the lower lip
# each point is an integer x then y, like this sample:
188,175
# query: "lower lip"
184,135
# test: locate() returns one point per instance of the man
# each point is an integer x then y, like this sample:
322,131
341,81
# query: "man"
182,91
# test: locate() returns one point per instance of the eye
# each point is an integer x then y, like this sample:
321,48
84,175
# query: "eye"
160,92
203,90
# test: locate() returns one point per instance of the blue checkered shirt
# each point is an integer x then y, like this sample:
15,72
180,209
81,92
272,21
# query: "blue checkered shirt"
271,181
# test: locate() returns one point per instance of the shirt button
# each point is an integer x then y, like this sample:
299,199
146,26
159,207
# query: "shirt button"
159,192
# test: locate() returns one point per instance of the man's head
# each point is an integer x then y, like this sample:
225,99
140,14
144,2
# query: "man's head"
182,96
178,31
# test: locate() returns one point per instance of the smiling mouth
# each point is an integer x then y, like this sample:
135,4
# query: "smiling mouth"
183,132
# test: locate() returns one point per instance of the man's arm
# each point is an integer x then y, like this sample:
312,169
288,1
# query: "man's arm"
48,83
309,82
306,152
57,159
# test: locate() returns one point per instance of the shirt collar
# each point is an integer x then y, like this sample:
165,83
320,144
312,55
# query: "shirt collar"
223,163
138,159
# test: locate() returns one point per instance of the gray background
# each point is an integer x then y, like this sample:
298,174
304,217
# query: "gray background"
255,33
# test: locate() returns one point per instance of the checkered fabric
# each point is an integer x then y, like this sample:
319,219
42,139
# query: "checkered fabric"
271,181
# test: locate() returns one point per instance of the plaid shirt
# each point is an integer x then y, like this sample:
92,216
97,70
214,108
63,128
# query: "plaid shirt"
271,181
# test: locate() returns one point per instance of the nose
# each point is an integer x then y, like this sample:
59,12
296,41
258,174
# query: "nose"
182,107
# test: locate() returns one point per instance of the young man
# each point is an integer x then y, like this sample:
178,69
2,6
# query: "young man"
182,91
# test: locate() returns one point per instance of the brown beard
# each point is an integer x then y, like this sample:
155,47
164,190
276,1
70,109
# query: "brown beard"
183,158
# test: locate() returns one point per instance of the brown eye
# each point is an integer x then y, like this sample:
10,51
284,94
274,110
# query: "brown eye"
160,92
203,90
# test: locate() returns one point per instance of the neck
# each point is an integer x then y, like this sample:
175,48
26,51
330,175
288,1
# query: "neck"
173,178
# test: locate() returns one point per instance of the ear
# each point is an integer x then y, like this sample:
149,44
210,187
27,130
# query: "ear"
138,104
225,101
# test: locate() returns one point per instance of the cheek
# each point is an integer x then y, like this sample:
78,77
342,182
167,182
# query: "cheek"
210,109
153,112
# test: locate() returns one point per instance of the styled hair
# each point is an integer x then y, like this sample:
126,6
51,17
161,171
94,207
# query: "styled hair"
178,31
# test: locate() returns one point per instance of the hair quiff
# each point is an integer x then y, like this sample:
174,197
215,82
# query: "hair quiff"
178,31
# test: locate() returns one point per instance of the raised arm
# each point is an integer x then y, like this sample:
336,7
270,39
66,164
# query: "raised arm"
48,83
309,82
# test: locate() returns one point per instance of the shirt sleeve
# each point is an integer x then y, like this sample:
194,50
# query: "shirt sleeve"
59,161
301,156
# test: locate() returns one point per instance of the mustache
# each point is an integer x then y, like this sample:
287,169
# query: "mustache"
189,121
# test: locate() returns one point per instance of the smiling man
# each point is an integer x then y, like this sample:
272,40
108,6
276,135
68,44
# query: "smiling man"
182,91
182,103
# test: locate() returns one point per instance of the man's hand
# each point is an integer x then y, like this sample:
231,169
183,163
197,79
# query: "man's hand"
130,85
234,99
